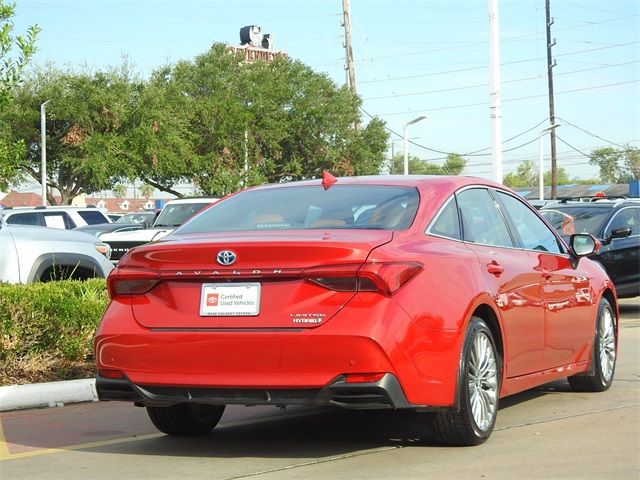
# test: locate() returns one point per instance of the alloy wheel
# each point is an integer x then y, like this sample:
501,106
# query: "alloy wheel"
483,381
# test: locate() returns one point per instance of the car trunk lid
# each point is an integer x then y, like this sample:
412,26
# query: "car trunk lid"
300,279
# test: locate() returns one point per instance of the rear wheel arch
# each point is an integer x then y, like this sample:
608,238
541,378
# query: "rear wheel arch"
611,298
74,266
488,314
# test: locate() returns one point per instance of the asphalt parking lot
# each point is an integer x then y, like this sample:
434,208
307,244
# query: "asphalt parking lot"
548,432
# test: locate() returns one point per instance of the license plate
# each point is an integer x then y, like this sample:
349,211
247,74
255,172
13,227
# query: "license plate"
230,300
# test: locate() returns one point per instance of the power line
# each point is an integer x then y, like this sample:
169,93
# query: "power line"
478,85
460,70
589,133
572,147
451,107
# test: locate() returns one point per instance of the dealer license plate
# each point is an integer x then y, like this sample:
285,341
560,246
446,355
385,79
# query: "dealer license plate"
230,299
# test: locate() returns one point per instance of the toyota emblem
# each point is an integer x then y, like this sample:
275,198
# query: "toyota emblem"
226,257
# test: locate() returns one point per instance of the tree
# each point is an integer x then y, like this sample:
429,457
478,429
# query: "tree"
619,165
119,190
88,118
453,165
527,175
21,46
281,119
146,190
15,53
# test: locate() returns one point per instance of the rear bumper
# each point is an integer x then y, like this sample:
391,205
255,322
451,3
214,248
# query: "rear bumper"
368,337
386,393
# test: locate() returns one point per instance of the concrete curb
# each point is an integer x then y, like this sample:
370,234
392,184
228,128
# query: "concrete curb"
52,394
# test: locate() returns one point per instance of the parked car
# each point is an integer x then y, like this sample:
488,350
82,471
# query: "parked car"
124,223
63,217
616,223
173,214
434,294
38,254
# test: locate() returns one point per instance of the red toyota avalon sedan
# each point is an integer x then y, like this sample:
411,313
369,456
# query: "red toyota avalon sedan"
436,294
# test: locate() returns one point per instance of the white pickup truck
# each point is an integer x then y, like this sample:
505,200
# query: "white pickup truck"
173,214
40,254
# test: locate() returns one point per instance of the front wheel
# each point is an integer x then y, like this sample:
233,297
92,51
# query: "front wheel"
479,388
603,354
185,419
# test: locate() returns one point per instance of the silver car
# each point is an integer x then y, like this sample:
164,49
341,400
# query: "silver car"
32,254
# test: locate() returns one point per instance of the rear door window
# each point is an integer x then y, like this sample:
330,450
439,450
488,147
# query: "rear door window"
482,221
58,220
447,224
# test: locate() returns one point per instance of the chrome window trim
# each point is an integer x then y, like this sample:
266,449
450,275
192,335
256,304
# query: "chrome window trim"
613,218
566,255
437,216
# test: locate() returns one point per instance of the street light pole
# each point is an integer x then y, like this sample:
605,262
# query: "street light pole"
404,137
541,149
43,152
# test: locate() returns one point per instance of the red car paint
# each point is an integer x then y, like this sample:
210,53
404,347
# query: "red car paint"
417,293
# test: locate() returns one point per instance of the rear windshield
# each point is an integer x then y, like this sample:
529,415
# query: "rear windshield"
92,217
311,207
175,214
570,220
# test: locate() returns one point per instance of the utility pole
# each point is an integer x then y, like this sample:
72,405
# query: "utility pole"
495,108
43,152
552,116
348,50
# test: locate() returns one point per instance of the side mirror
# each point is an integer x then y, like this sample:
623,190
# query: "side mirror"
583,244
617,233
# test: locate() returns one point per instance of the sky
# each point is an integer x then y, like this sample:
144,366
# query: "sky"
412,58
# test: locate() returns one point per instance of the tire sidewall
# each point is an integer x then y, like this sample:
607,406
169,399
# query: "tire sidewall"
476,326
595,358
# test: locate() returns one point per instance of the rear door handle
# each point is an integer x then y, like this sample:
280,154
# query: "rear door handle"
495,269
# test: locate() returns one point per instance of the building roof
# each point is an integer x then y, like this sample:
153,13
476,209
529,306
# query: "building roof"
114,205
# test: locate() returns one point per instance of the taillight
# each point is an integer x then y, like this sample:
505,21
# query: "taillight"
384,277
387,278
342,278
131,281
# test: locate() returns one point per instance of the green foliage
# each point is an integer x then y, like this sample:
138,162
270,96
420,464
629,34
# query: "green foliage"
197,121
11,46
47,329
453,165
527,175
88,116
617,165
285,120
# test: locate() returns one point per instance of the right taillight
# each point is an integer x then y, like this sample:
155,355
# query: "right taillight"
387,278
384,277
131,281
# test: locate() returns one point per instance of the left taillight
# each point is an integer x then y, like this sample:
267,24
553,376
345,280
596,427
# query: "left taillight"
131,281
383,277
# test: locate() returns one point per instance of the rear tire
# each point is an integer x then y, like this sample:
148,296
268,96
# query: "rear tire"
478,391
603,354
186,419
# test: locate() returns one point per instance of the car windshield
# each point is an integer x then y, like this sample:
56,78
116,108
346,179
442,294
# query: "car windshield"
134,218
578,219
175,214
311,207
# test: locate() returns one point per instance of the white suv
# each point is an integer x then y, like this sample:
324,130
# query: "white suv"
173,214
63,217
